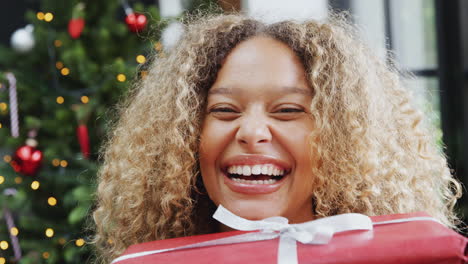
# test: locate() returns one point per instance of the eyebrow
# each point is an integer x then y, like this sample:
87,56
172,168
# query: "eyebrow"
285,89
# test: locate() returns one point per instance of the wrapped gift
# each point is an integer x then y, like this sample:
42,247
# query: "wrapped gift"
348,238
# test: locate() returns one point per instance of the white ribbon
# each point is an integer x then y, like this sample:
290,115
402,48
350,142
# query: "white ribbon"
318,231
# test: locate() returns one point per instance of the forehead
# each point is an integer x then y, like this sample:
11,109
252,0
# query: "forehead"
261,62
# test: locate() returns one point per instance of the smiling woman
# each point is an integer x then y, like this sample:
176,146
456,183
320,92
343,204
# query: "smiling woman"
287,119
254,156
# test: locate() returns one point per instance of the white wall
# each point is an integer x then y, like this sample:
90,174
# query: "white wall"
277,10
369,15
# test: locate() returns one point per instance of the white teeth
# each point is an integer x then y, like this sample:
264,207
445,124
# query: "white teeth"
256,169
246,170
270,181
270,170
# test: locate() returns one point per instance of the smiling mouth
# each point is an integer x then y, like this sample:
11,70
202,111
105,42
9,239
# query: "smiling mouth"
257,174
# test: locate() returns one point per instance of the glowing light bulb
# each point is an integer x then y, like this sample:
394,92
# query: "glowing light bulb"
56,162
59,65
63,163
7,158
60,100
48,17
2,179
2,260
4,245
121,77
52,201
0,125
45,255
18,180
49,232
3,106
141,59
35,185
84,99
65,71
14,231
40,15
80,242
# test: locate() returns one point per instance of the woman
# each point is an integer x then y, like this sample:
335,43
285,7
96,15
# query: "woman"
290,119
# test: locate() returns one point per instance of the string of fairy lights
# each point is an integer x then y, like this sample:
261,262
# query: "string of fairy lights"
56,162
51,201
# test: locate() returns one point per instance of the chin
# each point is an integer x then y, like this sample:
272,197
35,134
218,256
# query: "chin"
253,210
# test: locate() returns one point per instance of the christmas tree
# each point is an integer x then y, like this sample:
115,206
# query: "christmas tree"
60,80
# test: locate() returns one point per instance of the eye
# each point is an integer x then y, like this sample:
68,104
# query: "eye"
290,110
224,112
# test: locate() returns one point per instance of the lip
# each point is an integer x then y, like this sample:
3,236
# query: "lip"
253,160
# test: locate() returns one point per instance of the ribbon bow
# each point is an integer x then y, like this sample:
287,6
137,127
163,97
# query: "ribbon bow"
318,231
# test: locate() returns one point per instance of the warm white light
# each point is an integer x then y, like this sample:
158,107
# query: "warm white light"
14,231
4,245
84,99
49,232
48,17
63,163
52,201
60,99
121,77
141,59
35,185
79,242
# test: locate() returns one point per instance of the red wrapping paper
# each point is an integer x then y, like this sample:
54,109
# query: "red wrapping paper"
405,243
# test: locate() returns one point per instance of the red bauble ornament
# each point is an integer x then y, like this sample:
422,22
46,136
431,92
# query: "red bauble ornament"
136,22
83,139
27,160
75,27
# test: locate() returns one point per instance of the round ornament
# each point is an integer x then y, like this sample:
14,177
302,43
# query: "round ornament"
136,22
27,160
22,40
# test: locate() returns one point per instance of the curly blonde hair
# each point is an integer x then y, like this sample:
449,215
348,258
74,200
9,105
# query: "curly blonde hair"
377,155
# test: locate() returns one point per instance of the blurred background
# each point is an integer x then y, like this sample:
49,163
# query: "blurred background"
64,64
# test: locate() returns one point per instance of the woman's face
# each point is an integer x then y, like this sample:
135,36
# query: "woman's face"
254,154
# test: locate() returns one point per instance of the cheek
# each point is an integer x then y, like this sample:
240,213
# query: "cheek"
213,142
304,157
209,145
215,137
205,153
299,144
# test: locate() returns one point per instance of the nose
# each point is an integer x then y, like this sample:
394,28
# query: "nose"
253,130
